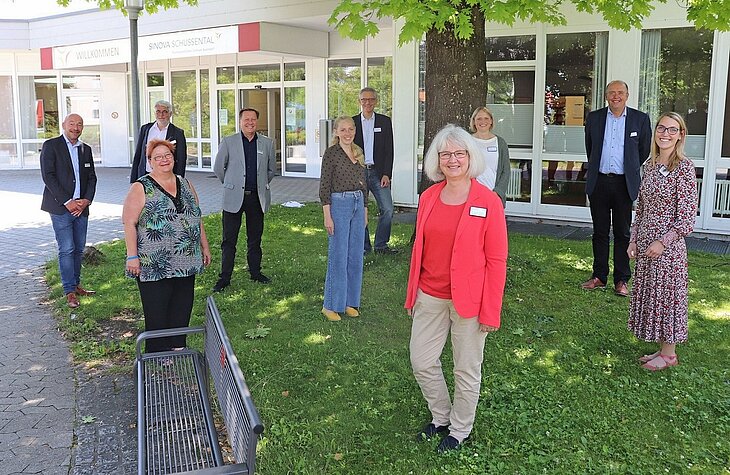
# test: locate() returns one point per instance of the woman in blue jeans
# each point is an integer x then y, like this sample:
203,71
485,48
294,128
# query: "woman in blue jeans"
342,191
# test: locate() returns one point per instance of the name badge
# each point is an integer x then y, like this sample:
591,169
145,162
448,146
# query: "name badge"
173,141
376,129
478,212
87,165
633,134
491,149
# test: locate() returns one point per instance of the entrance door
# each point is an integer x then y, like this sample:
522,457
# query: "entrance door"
87,105
268,103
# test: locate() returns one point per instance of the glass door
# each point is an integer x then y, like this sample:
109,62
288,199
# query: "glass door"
87,105
268,103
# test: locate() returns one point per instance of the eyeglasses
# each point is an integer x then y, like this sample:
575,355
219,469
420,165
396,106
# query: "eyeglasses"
457,154
159,158
660,129
162,112
368,99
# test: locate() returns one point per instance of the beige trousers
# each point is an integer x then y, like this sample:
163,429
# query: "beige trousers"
433,319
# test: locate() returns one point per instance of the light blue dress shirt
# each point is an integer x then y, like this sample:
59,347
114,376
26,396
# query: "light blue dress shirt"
368,137
612,154
73,150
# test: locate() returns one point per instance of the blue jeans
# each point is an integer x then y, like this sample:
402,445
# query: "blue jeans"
385,210
343,284
71,238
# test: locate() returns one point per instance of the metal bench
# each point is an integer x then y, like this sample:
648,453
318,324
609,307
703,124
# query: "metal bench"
175,418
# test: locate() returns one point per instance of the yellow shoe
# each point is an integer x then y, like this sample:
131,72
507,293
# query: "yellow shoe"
351,312
331,316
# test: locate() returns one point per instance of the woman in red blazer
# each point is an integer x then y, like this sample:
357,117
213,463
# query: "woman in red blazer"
456,281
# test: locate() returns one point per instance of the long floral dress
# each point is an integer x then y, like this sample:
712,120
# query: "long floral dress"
666,212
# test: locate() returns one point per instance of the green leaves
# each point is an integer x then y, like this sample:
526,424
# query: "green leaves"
259,332
150,6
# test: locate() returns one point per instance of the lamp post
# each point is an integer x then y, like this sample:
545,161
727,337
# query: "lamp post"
133,8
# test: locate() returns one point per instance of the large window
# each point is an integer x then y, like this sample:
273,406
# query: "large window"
343,79
259,73
675,76
380,78
295,124
39,115
185,107
726,129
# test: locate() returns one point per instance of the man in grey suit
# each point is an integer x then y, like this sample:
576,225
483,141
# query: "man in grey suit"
245,164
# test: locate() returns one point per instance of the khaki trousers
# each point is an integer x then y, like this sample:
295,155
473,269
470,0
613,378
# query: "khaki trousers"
433,319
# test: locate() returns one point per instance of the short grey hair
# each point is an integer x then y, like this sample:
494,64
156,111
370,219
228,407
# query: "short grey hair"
454,135
368,89
164,104
617,81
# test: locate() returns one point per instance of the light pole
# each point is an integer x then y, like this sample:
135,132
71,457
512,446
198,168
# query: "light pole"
133,8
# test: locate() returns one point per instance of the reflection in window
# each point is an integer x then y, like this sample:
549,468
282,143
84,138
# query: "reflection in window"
343,80
155,79
295,159
82,82
153,97
575,77
207,162
721,200
520,181
8,155
380,78
511,98
259,73
185,104
38,107
225,75
511,48
675,76
563,183
421,98
294,72
204,104
192,154
227,117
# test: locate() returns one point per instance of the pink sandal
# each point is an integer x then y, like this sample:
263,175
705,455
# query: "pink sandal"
647,358
668,361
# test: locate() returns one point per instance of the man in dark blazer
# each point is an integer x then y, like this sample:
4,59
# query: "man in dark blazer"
374,134
245,164
67,168
618,139
162,129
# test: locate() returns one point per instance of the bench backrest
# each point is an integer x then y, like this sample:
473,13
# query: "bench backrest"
239,412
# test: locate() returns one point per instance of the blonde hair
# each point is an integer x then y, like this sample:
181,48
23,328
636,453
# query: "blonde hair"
454,135
472,125
678,152
356,150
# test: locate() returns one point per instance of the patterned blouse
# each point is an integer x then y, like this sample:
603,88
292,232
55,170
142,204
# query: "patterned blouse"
168,232
339,174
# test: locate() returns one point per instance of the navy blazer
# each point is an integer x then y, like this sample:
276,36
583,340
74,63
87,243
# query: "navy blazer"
637,143
58,175
382,145
175,135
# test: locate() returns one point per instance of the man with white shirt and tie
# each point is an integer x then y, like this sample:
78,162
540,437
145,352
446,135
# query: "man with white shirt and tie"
67,169
618,139
374,134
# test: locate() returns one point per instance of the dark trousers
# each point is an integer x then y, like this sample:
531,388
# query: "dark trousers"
166,303
254,230
611,205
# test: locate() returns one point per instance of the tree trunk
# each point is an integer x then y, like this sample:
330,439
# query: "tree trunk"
456,81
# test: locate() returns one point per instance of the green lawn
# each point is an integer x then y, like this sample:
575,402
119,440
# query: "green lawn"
562,392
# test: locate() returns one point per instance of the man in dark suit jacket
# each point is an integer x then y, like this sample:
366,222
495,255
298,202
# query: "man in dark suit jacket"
374,134
165,130
618,139
67,168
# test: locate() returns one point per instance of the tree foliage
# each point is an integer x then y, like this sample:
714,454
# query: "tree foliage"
150,6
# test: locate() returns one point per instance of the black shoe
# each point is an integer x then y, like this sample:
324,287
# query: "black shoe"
260,278
386,250
429,430
220,285
447,444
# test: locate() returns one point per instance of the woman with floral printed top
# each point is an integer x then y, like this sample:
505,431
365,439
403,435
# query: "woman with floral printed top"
166,244
665,214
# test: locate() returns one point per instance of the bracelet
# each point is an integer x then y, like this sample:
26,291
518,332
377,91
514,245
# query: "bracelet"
131,258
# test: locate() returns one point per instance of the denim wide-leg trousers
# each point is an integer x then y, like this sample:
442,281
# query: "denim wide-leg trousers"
343,284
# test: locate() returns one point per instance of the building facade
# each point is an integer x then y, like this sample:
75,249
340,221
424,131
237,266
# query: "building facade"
282,58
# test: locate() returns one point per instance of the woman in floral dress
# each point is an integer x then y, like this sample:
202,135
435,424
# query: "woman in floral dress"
166,244
665,214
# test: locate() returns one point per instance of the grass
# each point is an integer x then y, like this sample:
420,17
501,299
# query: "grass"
561,393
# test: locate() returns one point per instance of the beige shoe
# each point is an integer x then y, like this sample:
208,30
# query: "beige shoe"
331,316
351,312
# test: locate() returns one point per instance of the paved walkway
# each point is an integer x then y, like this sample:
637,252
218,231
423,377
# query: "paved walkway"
45,402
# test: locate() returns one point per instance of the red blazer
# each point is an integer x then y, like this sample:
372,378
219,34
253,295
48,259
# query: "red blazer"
479,256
